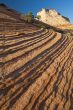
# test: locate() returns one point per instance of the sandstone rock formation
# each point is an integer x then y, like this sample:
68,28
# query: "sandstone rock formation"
52,17
36,68
7,13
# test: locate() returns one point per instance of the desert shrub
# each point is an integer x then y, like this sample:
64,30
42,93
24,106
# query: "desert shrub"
30,17
27,18
38,16
41,25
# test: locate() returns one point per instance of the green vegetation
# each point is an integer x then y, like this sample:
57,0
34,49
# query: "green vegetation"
41,26
38,16
27,18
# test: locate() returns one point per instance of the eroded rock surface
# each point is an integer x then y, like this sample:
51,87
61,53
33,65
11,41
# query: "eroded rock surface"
52,17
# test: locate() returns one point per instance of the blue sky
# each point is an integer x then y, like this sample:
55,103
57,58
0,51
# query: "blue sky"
65,7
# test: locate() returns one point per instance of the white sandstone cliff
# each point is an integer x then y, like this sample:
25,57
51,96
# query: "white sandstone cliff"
52,17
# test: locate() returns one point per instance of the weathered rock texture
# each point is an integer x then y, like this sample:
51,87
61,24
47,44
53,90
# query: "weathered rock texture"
52,17
7,13
36,69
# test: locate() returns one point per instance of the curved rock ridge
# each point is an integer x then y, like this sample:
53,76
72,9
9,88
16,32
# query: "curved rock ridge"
36,70
3,5
52,17
7,13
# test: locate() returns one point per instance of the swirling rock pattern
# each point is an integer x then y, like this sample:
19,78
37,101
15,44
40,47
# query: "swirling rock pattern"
36,71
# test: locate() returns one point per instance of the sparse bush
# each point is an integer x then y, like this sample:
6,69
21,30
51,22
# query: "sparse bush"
23,17
30,17
41,26
27,18
38,16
